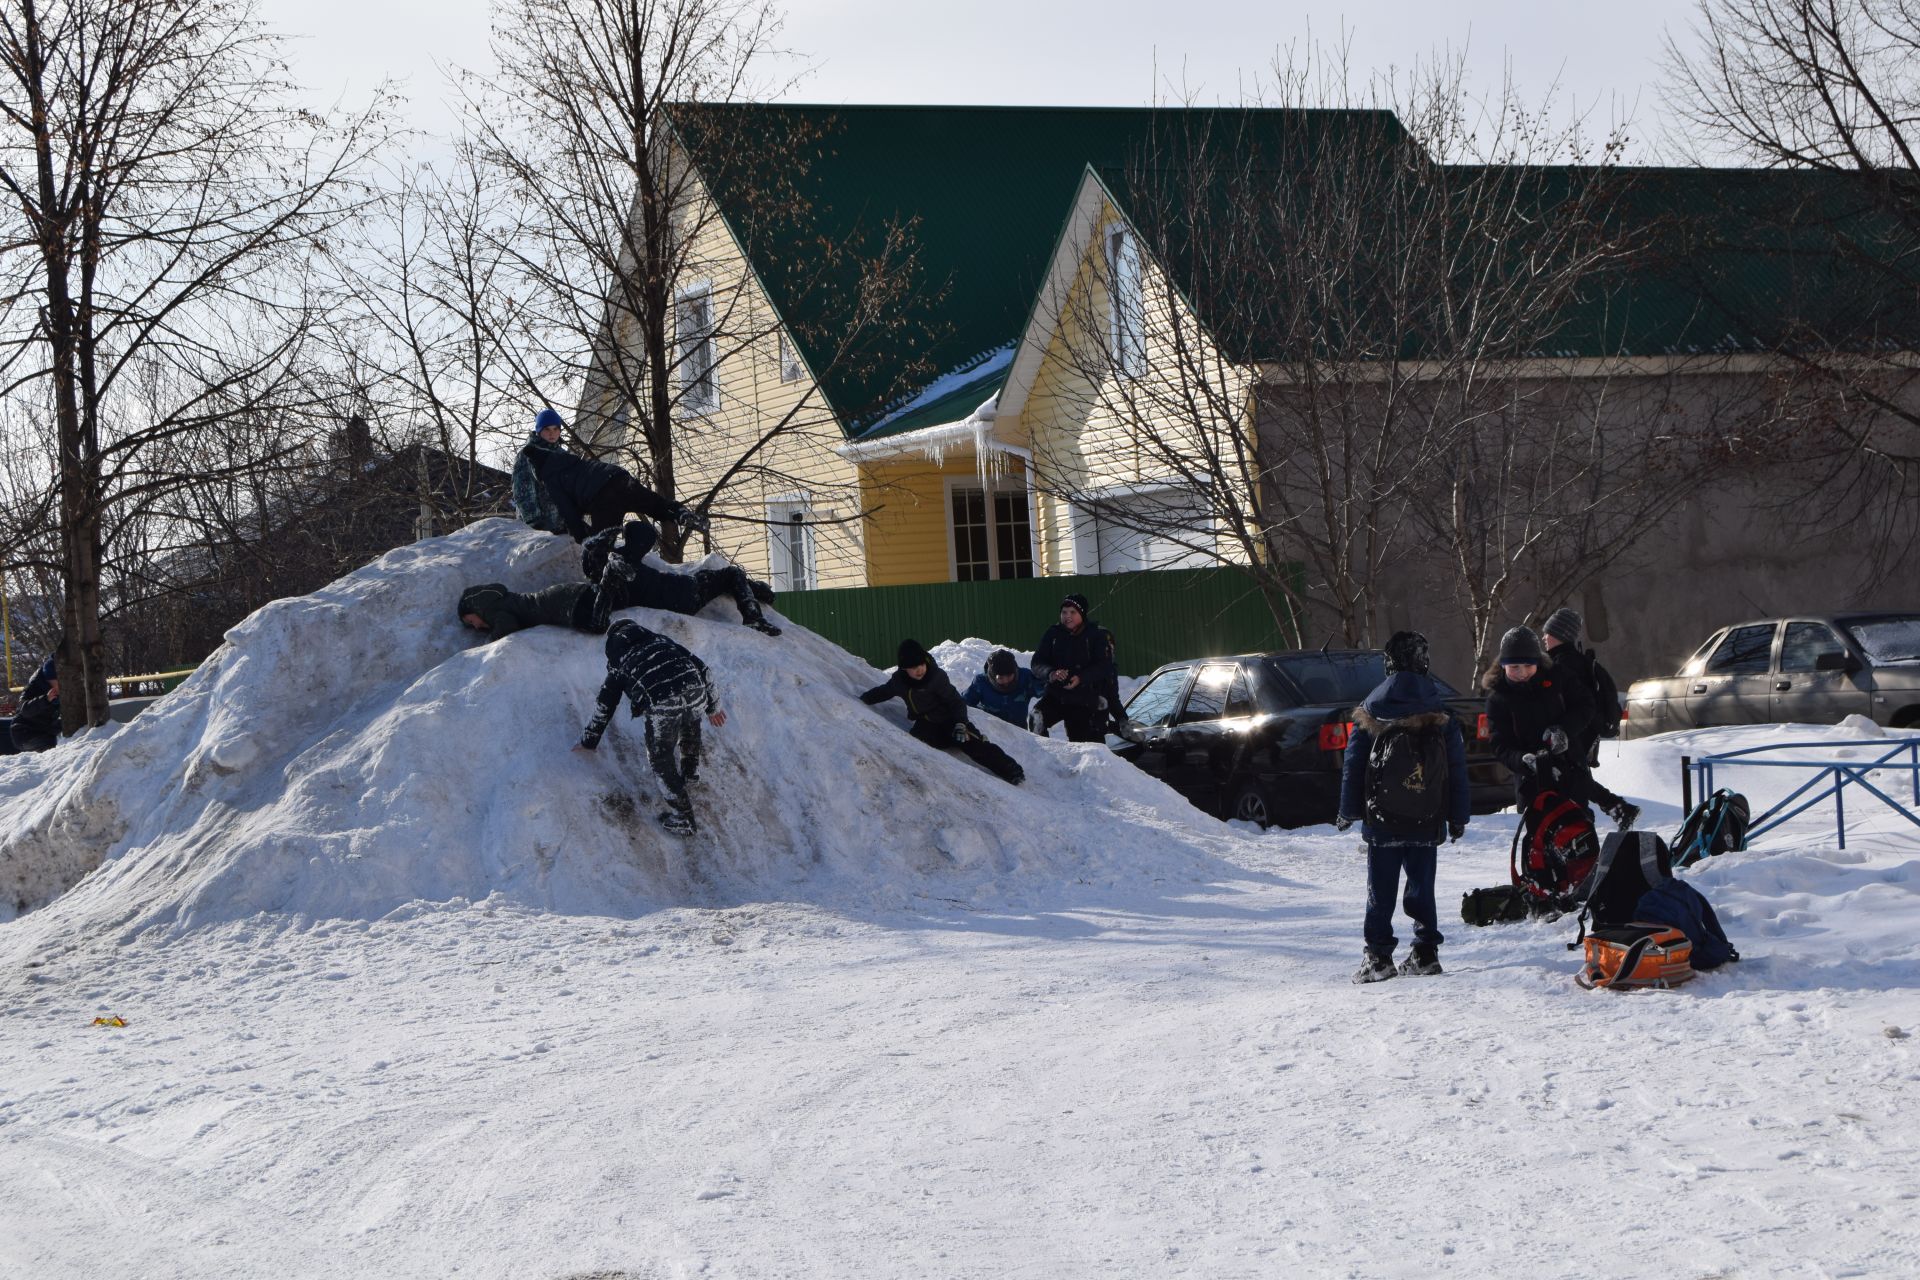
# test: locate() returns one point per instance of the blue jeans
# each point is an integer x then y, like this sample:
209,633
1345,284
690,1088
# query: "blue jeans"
1384,863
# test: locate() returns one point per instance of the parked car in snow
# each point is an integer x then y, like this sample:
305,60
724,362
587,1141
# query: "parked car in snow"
1260,736
1808,670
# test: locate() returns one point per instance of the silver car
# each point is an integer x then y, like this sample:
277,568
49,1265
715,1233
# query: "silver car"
1813,670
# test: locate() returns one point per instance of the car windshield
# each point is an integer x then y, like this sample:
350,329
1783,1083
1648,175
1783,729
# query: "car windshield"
1332,677
1891,639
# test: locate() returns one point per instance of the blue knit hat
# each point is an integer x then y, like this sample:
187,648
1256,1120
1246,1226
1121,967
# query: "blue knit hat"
547,418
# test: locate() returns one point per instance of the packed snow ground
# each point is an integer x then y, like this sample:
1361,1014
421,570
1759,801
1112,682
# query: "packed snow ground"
409,992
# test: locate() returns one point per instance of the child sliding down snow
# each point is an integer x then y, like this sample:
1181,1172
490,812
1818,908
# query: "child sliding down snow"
935,713
672,689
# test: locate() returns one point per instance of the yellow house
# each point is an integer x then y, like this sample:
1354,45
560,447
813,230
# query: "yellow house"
837,465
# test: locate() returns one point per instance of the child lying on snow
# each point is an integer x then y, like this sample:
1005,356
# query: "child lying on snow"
671,688
935,713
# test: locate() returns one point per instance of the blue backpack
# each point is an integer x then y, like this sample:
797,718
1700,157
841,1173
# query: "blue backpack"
1679,904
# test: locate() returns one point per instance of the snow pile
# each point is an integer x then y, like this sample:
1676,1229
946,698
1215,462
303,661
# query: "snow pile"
355,751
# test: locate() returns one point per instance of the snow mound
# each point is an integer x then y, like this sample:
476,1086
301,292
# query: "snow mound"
355,752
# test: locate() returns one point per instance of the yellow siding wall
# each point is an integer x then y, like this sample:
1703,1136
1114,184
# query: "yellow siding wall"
730,446
909,533
1087,432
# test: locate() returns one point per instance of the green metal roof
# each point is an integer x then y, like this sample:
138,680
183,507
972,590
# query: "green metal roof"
986,191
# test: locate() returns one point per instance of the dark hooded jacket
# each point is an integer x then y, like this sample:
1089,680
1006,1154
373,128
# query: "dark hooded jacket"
569,604
531,501
1088,655
1011,705
571,482
1404,700
931,698
39,711
1519,715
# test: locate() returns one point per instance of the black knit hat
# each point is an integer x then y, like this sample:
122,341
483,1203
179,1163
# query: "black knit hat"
1407,651
1565,626
1520,645
913,654
1002,663
1079,602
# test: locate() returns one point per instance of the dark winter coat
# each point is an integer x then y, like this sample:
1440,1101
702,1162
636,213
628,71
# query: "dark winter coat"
39,712
1010,705
655,674
1518,717
570,482
569,604
531,501
1088,655
1582,667
1408,700
931,698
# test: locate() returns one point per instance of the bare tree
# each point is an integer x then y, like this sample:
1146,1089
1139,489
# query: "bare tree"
1322,338
158,176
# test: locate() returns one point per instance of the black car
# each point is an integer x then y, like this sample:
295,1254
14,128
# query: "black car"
1260,736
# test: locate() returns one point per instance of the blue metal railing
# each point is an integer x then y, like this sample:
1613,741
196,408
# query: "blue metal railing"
1843,774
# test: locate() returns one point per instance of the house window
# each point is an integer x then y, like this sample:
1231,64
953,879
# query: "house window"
1162,529
992,537
790,546
693,355
791,370
1127,313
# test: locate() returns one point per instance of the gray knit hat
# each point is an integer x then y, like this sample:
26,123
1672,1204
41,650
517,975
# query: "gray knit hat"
1565,626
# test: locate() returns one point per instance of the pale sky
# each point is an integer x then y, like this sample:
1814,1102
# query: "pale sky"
1602,56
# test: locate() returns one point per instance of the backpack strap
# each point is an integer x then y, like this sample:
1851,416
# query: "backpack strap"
1600,866
1628,963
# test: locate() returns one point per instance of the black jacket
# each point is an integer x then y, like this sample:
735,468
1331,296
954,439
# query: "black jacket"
39,711
1578,666
574,482
656,675
1518,716
932,697
1088,655
569,604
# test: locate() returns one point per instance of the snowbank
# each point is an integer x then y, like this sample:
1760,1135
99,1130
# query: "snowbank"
355,751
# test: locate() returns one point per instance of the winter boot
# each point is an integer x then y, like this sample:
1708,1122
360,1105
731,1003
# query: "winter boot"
677,817
761,591
750,615
1624,814
1375,968
1421,962
764,627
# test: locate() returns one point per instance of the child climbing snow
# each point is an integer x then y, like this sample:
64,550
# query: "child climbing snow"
935,713
672,689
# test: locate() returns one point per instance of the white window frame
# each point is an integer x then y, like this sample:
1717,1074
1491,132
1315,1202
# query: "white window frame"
792,369
1126,302
691,354
1000,486
1087,524
780,556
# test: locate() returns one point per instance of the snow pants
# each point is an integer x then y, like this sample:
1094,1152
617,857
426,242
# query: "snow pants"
673,749
1384,864
939,733
26,739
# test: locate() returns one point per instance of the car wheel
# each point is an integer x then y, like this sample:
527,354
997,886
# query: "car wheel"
1250,804
1905,718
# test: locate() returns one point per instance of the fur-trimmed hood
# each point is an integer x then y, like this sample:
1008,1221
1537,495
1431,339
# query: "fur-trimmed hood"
1376,725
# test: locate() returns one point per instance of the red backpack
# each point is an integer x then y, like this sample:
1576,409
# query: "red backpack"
1561,850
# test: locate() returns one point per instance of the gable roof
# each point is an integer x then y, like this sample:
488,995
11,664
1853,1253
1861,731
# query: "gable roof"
985,190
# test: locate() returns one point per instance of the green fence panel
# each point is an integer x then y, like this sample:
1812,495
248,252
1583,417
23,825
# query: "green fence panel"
1157,616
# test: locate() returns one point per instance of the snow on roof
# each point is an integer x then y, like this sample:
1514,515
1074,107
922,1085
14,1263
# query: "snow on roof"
352,752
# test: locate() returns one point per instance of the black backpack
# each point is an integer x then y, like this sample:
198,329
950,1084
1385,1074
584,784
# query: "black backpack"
1630,863
1407,780
1717,826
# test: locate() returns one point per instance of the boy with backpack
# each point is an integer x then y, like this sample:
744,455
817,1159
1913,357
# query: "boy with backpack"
1404,778
1561,639
672,689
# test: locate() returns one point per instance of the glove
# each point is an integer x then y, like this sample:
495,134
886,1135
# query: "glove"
1556,739
1342,822
689,519
1455,830
960,734
1530,762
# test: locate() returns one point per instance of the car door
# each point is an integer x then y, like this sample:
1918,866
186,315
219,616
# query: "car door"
1150,715
1204,741
1736,684
1819,680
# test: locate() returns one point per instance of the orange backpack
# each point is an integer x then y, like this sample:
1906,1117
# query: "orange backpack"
1636,955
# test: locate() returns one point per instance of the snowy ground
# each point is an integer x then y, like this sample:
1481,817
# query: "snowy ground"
379,1024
